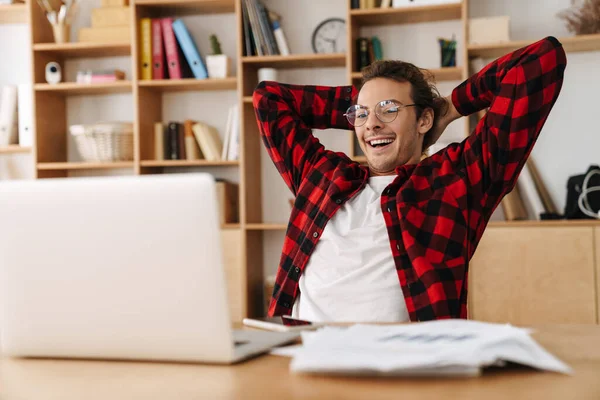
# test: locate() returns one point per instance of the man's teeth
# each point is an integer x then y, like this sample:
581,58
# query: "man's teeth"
380,141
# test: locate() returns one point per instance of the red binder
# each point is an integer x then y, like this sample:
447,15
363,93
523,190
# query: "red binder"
171,51
158,54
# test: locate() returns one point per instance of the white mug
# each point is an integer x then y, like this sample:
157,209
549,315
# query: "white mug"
267,74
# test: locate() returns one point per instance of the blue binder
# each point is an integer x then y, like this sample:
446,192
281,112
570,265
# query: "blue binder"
190,51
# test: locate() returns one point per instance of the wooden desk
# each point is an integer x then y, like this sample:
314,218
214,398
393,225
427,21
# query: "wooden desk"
269,377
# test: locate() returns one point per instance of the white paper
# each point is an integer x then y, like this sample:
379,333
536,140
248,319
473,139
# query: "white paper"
447,347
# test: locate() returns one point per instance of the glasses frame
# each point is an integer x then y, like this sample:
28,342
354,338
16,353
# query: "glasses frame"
398,104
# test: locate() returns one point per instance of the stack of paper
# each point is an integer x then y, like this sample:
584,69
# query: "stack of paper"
448,347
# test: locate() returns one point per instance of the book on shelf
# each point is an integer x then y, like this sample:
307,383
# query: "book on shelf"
197,140
367,51
99,76
263,32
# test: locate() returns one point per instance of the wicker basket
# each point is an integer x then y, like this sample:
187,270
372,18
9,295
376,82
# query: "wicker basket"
104,142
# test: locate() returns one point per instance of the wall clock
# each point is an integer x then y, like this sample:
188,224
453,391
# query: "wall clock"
330,36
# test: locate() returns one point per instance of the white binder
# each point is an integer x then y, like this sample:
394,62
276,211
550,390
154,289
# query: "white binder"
8,116
25,112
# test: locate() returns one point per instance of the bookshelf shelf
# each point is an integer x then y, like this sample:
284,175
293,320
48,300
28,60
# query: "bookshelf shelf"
297,61
573,44
83,165
85,89
247,99
84,50
186,7
266,227
440,74
13,13
188,163
14,149
188,85
231,226
404,15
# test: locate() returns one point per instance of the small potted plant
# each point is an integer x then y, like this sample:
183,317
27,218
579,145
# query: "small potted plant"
217,63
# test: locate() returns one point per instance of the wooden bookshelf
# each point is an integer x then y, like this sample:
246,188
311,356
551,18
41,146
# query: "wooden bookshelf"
297,61
571,44
405,15
56,166
85,88
183,85
83,50
247,99
13,13
188,163
14,149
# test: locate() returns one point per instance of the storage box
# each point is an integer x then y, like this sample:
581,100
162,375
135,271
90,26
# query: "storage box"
489,30
111,16
227,197
115,3
119,34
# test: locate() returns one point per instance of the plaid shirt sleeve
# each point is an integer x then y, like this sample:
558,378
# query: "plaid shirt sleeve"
286,115
520,89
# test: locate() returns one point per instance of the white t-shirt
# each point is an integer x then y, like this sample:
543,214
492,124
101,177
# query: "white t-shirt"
351,275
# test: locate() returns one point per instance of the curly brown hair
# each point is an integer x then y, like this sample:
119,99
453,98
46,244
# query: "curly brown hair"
423,93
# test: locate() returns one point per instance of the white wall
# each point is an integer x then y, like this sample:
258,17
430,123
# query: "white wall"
569,143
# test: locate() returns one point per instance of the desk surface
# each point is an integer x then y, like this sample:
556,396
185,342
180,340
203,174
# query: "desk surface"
269,377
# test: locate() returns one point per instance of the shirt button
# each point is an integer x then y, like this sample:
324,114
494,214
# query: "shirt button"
315,234
338,201
347,98
389,210
397,247
349,90
297,269
286,305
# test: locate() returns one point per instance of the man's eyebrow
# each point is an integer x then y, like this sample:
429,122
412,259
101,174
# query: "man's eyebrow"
395,100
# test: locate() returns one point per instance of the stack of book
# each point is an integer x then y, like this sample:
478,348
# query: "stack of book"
367,51
263,35
197,140
168,51
110,23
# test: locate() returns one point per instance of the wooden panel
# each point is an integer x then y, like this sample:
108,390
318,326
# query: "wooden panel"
148,112
187,85
571,44
186,7
84,165
71,88
297,61
531,275
13,13
404,15
83,50
266,227
14,148
188,163
251,159
597,252
50,127
232,260
253,254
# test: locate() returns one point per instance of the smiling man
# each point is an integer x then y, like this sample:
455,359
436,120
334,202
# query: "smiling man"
391,241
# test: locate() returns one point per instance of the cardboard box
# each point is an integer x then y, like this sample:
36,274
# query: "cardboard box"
227,197
105,35
115,3
489,30
111,16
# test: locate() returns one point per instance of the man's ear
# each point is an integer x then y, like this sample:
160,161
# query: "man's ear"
425,122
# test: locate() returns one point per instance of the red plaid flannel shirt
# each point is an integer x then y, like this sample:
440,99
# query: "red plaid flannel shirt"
435,211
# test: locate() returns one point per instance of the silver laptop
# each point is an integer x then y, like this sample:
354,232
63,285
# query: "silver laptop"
117,268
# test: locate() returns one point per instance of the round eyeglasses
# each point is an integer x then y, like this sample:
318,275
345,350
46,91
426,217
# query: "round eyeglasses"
386,111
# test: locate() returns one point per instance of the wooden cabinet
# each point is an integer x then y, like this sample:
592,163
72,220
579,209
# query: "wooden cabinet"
597,248
231,242
536,273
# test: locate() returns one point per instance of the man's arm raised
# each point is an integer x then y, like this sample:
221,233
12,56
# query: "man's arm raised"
286,115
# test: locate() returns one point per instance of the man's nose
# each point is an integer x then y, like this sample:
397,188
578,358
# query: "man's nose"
373,123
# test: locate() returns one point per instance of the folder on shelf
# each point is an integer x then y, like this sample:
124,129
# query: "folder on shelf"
146,48
8,116
171,50
25,114
158,53
190,50
192,149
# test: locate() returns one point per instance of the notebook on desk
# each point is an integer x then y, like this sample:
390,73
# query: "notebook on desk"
117,268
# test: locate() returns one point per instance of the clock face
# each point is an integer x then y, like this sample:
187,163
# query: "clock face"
330,36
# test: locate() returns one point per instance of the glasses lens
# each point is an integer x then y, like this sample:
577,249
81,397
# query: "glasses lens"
357,115
387,110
